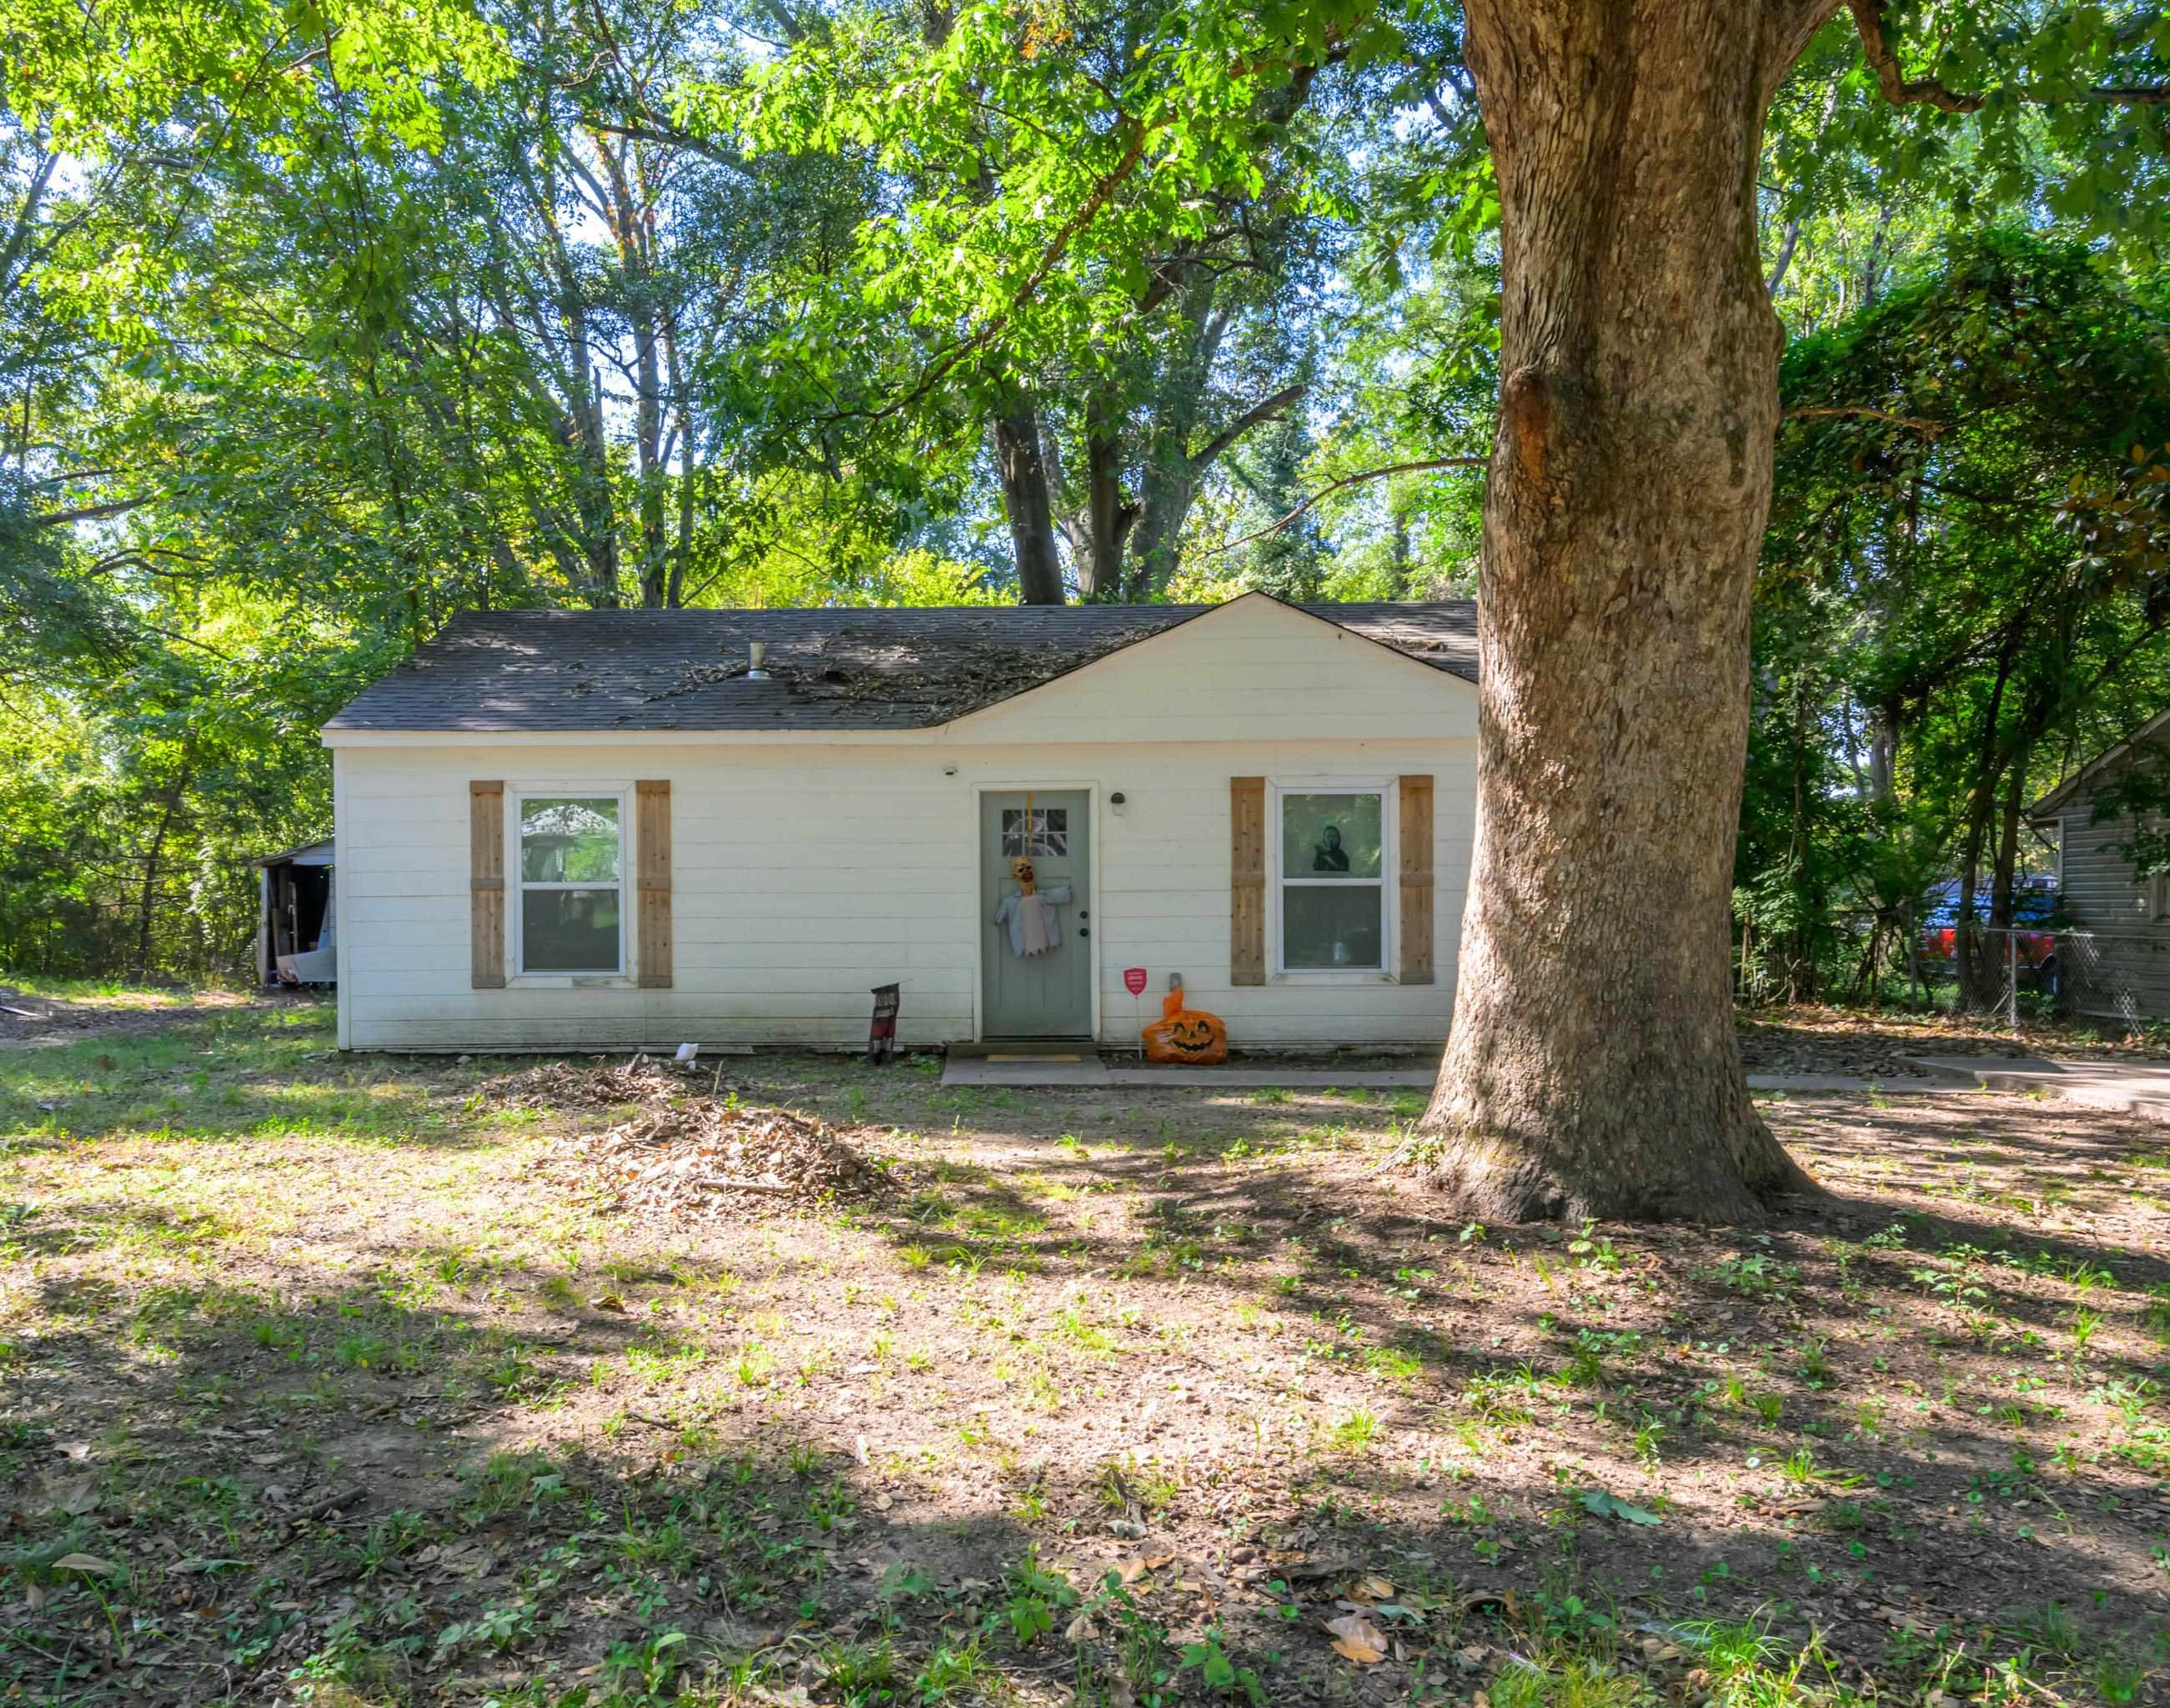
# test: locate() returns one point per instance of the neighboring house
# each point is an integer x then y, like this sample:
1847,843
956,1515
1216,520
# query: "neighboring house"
615,829
2118,965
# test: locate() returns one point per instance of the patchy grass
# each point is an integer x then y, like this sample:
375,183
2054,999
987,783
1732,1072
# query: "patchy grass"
316,1392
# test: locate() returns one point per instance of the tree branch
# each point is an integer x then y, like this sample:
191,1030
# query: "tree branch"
96,513
1927,429
670,138
1350,480
1051,257
1264,410
1900,90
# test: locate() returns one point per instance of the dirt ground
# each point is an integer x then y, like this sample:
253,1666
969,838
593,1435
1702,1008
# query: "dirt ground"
33,1018
325,1379
1811,1040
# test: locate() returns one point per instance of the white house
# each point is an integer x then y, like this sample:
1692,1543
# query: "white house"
563,829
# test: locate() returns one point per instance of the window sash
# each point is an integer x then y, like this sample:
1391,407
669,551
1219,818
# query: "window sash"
620,886
1284,881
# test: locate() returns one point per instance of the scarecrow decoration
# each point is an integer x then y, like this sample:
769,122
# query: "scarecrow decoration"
1185,1035
1030,914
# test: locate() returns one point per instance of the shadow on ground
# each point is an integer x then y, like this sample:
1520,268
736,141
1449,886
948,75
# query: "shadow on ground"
400,1419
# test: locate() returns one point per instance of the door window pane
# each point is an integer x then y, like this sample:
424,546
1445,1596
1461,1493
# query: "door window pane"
1330,927
568,930
568,839
1330,836
1051,833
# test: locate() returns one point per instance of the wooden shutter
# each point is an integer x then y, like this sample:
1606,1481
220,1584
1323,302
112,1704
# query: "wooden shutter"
1246,880
486,882
1417,930
653,832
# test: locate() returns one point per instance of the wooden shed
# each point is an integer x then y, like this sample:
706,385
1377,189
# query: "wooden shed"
296,928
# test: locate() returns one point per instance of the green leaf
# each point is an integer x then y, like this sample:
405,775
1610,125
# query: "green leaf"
1611,1506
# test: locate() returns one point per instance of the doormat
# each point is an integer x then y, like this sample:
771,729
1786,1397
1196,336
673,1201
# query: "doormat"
1072,1056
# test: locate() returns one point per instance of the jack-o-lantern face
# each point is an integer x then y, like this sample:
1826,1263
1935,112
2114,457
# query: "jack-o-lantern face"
1191,1034
1188,1035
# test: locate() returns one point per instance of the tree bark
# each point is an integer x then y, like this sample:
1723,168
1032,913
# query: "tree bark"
2002,885
148,906
1592,1069
1099,530
1025,497
1967,947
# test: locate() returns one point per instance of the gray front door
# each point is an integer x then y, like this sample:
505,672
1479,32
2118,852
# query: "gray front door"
1050,993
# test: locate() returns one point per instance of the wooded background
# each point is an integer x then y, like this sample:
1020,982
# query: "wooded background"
322,323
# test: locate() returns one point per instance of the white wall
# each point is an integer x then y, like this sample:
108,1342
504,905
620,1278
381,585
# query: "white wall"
806,871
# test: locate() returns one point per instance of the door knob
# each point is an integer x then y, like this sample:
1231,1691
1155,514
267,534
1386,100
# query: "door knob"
1084,931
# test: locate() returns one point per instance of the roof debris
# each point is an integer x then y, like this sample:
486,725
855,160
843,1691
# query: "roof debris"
863,667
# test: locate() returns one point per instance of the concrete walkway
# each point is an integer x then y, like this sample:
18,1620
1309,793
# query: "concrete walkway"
1123,1070
1086,1071
2133,1088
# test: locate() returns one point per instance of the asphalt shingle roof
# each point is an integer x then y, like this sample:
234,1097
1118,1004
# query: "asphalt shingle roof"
844,667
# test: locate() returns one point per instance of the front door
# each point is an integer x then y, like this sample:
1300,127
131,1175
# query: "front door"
1036,952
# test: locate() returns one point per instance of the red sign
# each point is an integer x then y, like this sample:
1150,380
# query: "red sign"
1134,980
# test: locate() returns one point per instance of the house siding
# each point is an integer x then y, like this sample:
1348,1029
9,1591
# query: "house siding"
807,871
2120,967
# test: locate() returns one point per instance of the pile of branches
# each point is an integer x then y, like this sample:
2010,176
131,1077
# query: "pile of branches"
593,1084
685,1156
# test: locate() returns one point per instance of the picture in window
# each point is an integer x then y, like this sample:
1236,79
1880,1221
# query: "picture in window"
1333,894
571,884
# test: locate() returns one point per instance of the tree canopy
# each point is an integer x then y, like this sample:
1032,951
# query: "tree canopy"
320,322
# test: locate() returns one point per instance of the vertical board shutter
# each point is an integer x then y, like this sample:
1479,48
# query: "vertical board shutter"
486,882
1417,931
1246,880
653,801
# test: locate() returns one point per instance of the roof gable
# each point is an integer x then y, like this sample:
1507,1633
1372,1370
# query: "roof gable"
1243,668
2096,769
826,670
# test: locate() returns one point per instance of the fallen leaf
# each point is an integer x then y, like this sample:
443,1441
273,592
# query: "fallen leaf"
882,1503
1137,1565
1355,1638
74,1497
1611,1506
1371,1587
83,1562
77,1450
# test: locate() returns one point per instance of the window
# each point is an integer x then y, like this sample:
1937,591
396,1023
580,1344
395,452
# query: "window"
1332,881
1049,837
572,891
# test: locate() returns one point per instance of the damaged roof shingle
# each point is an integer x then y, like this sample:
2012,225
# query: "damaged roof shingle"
847,668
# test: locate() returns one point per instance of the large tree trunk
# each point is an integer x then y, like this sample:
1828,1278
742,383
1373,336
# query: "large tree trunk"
1024,471
1593,1069
1099,530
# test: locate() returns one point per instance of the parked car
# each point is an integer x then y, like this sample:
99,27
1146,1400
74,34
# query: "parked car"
2037,917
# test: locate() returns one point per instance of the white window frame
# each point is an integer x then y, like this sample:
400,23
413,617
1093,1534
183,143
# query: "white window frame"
516,921
1390,889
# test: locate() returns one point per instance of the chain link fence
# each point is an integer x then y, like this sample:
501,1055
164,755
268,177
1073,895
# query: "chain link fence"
2119,979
